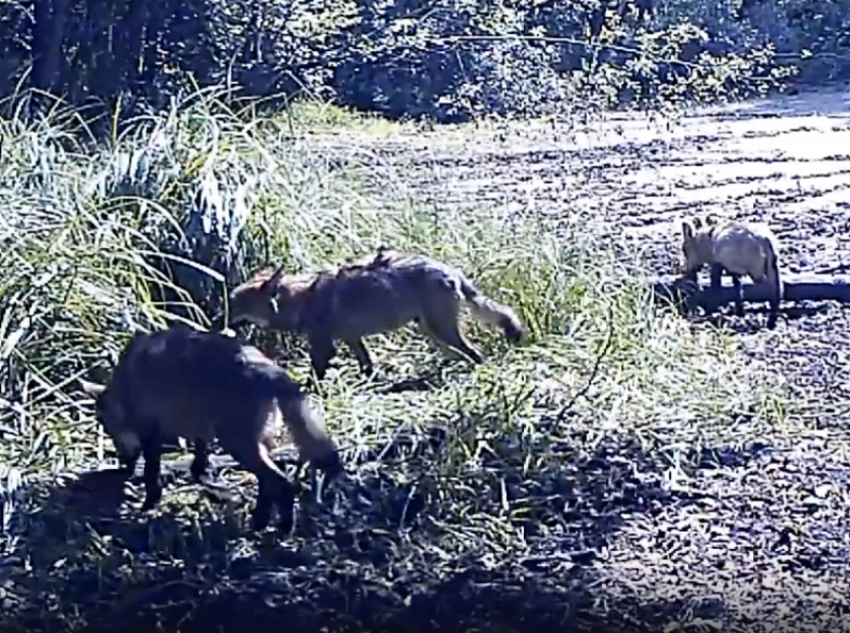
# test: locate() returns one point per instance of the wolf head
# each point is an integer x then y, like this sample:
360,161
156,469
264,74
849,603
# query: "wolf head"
696,242
114,419
263,300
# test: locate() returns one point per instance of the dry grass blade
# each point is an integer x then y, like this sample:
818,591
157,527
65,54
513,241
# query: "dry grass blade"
594,371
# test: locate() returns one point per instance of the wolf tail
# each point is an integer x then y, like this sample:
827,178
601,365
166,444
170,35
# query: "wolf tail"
491,311
772,272
307,430
773,277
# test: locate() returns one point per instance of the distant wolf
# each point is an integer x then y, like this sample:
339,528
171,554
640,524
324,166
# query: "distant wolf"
739,249
202,386
375,293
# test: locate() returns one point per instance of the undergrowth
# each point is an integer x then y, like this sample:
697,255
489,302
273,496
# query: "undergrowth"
484,464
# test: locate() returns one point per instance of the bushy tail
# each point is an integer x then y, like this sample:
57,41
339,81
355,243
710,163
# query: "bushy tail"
773,277
306,429
491,311
772,272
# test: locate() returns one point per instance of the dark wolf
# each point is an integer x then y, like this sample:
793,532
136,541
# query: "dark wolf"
203,386
373,294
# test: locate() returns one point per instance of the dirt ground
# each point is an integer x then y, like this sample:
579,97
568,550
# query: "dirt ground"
757,541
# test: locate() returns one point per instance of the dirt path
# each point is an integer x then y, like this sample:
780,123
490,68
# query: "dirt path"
765,545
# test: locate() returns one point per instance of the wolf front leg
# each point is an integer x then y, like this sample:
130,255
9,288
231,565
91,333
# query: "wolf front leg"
739,295
322,350
775,298
152,452
201,462
716,281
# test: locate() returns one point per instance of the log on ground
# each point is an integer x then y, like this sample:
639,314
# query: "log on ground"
797,287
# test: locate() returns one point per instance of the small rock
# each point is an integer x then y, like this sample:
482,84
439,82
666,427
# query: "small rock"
823,490
812,503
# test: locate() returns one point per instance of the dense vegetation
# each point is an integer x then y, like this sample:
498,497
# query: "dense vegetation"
447,59
150,186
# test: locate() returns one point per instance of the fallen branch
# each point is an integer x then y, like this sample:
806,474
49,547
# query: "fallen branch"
798,287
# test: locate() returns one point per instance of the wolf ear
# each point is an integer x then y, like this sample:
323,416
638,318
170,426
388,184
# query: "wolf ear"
269,284
711,219
92,388
687,230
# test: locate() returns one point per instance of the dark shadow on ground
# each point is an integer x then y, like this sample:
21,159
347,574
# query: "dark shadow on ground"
466,600
821,101
755,316
441,369
380,552
717,457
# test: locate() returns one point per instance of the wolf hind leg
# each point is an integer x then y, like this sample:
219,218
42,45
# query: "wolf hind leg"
361,353
273,488
201,462
199,469
739,295
442,326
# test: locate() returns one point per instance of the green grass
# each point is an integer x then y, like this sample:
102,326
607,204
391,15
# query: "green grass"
320,116
601,363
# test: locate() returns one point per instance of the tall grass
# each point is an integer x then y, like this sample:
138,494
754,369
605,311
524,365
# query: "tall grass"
600,360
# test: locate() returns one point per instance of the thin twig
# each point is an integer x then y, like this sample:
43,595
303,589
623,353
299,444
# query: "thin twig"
601,354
